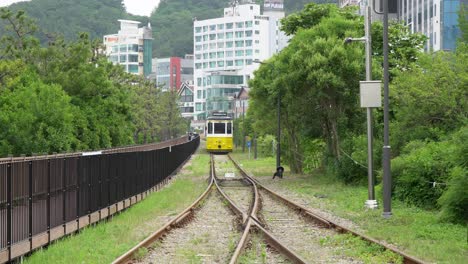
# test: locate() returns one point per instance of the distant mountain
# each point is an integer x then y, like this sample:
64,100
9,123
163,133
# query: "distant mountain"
172,21
69,17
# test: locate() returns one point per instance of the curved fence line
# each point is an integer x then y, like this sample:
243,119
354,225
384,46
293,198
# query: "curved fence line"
132,148
48,197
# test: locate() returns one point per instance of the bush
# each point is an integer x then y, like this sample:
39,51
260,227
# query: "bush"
454,201
414,173
313,151
266,146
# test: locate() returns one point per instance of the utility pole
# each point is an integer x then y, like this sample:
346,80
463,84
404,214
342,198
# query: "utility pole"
387,176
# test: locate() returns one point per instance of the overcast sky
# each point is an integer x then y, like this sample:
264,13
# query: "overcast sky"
137,7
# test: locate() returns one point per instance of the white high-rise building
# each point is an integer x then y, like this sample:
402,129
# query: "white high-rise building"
226,49
131,47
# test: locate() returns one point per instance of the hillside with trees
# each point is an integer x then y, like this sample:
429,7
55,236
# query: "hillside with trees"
172,20
65,96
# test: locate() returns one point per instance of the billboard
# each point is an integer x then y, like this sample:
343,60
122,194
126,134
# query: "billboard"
273,5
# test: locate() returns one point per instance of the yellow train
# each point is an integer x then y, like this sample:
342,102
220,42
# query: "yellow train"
218,131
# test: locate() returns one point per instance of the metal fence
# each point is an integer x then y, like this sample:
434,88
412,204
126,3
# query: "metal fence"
44,199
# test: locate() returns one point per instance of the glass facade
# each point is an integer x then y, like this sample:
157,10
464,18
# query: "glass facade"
451,30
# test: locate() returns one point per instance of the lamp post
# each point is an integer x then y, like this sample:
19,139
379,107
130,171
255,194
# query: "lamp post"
371,202
387,176
279,168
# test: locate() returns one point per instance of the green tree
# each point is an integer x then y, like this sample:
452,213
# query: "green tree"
316,77
35,117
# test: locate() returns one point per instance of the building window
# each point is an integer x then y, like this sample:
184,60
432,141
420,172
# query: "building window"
205,65
133,68
239,34
239,53
229,25
205,56
212,45
220,26
248,33
205,37
220,44
248,62
198,47
239,62
205,28
204,96
199,82
229,44
197,29
123,48
221,54
229,63
212,64
220,35
199,94
212,55
248,52
212,27
212,36
133,48
220,63
198,107
239,43
229,54
257,22
132,58
229,35
239,24
123,58
248,24
198,65
205,46
248,43
197,38
257,32
257,41
257,51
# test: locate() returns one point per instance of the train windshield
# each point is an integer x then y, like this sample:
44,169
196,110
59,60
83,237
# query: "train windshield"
229,128
220,128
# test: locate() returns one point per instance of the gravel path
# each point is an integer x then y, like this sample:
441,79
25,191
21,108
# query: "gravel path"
209,238
257,251
311,203
302,236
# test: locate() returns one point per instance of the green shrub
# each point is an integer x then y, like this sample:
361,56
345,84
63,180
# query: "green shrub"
266,146
415,172
454,201
313,151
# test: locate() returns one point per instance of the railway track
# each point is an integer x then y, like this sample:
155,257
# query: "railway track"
242,217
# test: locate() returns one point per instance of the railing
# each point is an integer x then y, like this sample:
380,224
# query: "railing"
46,197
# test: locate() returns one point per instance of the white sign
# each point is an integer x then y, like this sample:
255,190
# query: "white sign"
370,92
94,153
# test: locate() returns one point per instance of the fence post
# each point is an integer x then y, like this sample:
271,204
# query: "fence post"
30,167
9,187
64,193
78,176
48,200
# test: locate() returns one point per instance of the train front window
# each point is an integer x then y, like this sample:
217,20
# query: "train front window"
219,128
229,128
210,128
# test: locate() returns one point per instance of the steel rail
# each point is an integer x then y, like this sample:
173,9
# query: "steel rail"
253,221
328,223
129,255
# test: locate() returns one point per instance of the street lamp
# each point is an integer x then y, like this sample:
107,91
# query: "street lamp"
371,202
279,168
387,176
